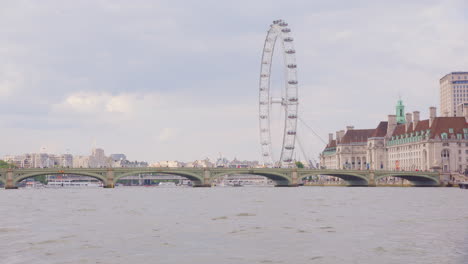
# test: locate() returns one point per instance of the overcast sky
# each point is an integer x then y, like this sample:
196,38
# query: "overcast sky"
178,80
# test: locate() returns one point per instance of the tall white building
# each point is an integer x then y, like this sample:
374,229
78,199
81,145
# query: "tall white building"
81,162
453,92
98,159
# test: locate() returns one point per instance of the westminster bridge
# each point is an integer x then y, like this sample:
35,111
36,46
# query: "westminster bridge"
203,177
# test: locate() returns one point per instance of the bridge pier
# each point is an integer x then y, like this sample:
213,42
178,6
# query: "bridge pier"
110,179
286,183
202,185
293,182
9,180
371,179
206,179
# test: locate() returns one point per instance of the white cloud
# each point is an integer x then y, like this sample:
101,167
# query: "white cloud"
166,134
120,104
99,103
11,80
5,88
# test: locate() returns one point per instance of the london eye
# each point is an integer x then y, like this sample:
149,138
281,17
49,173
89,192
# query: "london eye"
278,32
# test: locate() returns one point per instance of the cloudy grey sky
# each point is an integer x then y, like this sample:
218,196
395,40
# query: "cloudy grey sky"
165,80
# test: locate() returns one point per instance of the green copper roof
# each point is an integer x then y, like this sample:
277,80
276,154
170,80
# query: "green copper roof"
400,112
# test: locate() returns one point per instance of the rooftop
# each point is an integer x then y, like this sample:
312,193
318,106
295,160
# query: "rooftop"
440,125
356,136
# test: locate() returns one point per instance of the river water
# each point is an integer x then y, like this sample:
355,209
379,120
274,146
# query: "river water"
135,225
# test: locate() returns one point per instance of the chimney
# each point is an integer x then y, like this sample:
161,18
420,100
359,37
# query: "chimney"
391,125
408,121
339,136
415,119
349,128
330,138
432,115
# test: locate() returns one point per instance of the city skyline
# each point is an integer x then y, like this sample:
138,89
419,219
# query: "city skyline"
97,158
155,82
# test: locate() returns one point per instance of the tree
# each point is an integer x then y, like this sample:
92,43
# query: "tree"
41,178
6,165
299,165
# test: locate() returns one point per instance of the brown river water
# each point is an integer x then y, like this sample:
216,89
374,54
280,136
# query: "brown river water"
135,225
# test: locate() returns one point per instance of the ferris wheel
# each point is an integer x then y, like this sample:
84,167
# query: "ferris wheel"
279,31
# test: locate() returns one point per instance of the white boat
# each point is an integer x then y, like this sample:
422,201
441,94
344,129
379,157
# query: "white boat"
167,184
34,184
72,183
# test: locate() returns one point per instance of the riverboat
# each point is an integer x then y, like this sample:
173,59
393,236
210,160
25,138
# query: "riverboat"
463,185
72,183
167,184
33,184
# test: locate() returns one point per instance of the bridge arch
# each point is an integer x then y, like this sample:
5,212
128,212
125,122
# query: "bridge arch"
197,179
417,180
19,178
279,178
352,179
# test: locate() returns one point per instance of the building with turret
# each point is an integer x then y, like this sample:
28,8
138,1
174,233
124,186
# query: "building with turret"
404,142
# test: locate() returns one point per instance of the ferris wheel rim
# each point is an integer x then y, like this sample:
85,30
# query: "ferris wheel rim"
278,30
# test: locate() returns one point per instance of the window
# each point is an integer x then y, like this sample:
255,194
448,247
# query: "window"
445,154
443,135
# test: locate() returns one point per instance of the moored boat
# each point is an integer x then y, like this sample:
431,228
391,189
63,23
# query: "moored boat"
167,184
72,183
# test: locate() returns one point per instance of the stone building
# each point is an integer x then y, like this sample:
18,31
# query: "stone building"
40,160
348,150
403,142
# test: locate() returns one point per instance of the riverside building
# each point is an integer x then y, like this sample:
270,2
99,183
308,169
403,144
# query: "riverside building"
404,143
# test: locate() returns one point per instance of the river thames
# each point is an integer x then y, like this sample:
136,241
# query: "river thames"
234,225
